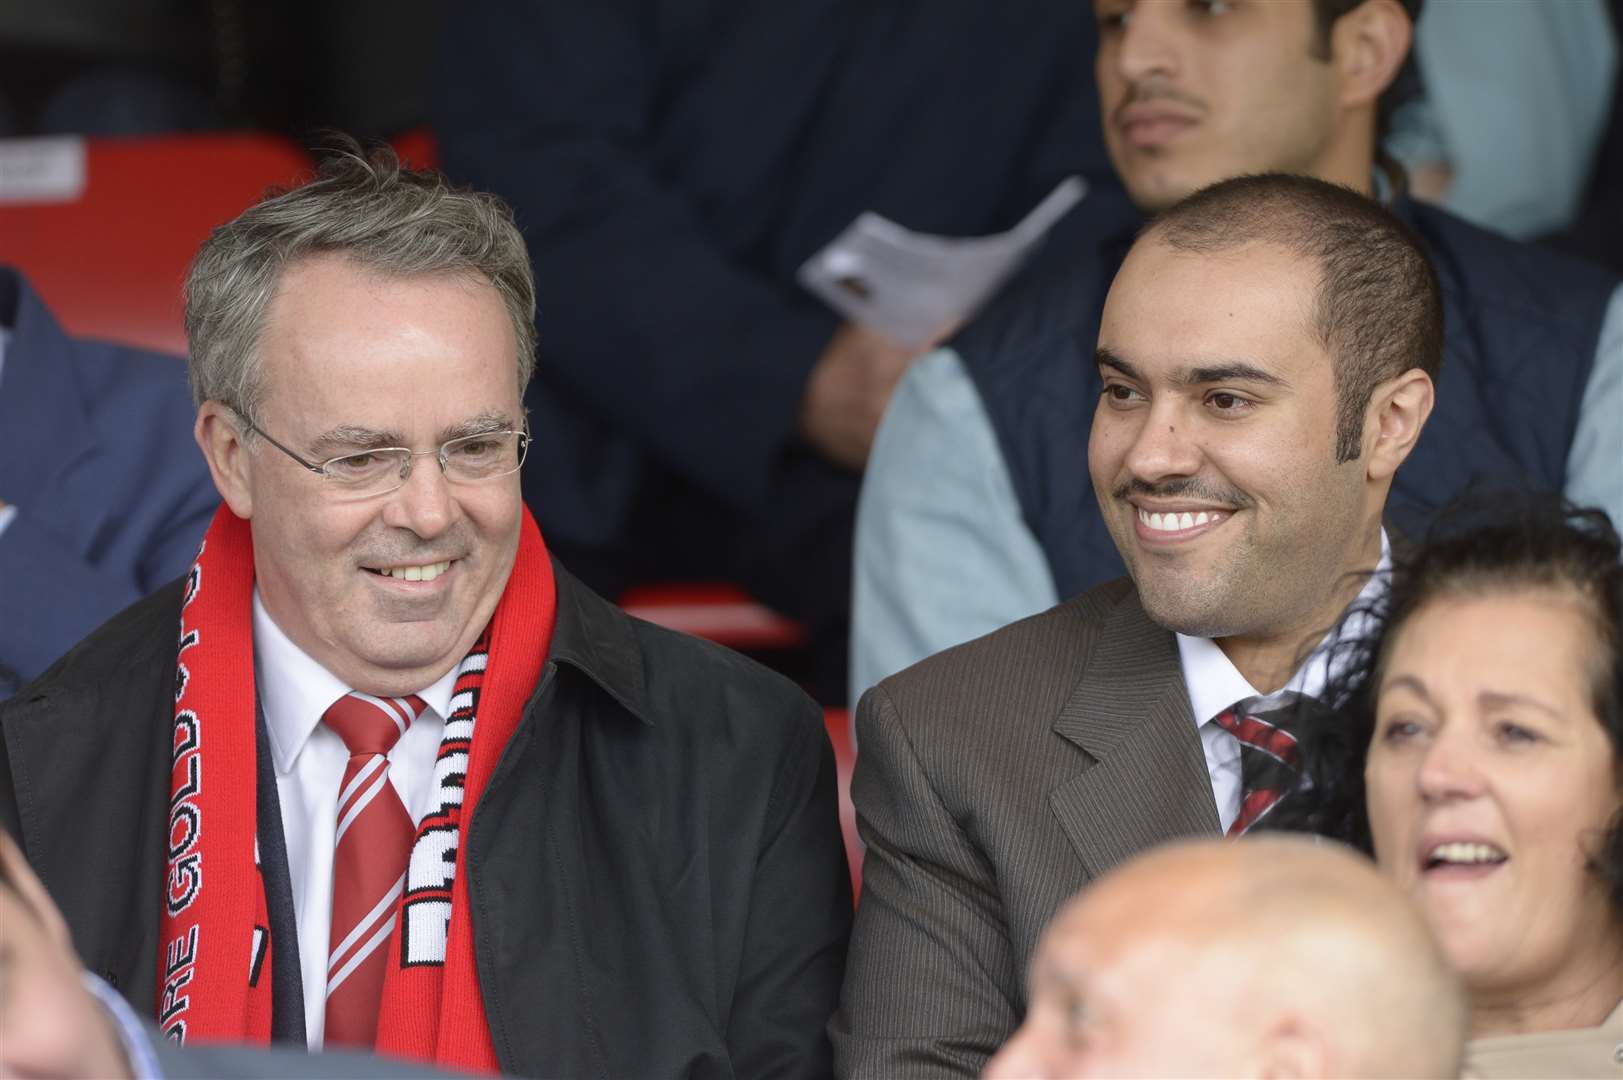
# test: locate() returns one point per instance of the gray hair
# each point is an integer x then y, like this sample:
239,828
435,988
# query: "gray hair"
364,205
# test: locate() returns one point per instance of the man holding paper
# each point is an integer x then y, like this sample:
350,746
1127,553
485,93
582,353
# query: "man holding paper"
674,165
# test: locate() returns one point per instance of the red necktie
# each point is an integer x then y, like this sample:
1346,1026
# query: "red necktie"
370,852
1268,757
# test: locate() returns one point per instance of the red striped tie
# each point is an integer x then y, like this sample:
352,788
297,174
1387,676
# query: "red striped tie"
370,851
1269,758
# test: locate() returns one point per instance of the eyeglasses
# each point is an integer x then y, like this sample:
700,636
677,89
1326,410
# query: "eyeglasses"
366,474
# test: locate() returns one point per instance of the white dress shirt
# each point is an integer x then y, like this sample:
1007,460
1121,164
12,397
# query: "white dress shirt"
294,692
1214,684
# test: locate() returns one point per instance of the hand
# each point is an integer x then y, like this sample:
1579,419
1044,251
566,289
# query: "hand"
50,1025
848,390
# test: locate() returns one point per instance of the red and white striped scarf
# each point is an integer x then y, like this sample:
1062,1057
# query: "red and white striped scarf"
214,967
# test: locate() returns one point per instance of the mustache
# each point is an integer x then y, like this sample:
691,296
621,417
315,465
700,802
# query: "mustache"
1189,486
396,547
1145,93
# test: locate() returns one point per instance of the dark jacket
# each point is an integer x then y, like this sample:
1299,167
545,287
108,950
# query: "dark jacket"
656,872
673,162
1521,327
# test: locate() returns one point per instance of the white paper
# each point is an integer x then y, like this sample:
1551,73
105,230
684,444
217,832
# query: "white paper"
43,170
913,287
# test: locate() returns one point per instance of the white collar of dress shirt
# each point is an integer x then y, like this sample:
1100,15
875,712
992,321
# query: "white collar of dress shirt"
1214,683
294,690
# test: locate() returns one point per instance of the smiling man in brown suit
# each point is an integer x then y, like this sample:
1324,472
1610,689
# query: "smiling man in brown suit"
1268,353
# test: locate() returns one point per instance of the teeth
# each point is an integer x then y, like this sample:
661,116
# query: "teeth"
417,573
1176,522
1467,854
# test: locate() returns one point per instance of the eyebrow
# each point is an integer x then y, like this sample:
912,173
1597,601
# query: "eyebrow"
1488,699
483,424
349,436
1491,699
1107,359
1234,371
1231,371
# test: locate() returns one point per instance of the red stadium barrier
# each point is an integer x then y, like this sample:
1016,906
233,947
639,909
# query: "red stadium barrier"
107,237
717,612
838,722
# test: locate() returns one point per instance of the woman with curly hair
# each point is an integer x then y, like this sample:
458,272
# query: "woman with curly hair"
1477,754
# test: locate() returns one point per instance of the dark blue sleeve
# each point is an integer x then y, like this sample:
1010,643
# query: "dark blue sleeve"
642,316
53,594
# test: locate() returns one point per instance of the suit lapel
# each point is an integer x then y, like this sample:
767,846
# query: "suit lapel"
1130,711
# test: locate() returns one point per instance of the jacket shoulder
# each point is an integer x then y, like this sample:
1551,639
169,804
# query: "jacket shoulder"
689,681
1027,668
672,681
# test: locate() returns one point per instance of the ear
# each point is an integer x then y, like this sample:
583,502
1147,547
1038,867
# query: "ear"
220,438
32,892
1397,412
1368,46
1295,1050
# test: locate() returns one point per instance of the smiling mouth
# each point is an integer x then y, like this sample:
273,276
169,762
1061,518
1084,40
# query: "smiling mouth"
1174,521
1463,855
417,572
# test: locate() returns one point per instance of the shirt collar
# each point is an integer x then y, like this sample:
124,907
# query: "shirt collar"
294,690
1214,683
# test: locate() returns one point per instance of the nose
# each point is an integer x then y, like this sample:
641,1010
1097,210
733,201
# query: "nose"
1449,768
1147,48
1163,447
425,503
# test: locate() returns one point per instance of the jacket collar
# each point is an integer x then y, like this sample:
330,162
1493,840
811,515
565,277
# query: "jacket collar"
599,640
1130,712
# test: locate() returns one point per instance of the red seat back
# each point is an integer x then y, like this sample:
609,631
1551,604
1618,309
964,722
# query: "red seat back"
716,612
110,260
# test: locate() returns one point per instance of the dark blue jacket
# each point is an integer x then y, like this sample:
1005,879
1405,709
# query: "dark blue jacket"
97,454
673,162
1521,327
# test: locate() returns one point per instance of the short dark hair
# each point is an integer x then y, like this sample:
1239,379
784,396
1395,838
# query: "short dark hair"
1482,544
1379,311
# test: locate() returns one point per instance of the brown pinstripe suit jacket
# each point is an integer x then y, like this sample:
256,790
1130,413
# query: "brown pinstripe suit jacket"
993,781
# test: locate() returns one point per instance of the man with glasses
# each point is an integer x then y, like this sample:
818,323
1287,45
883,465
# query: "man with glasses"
378,772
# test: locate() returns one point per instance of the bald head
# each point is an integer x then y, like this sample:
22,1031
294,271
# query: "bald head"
1273,956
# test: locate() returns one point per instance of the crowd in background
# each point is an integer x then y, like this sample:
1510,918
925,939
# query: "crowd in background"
1278,488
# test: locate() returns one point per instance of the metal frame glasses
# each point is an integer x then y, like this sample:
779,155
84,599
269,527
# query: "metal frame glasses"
365,474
